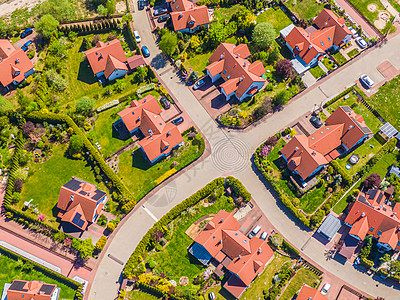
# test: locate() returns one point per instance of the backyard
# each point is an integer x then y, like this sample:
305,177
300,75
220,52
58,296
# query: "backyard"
276,17
138,295
305,9
370,13
198,63
303,276
12,269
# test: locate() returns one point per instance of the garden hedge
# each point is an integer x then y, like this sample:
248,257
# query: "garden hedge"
338,168
143,245
336,98
238,188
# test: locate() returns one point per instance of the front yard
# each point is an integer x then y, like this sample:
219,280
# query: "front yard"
339,58
317,72
303,276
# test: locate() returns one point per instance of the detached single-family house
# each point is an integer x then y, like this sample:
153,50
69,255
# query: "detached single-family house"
242,258
343,130
309,293
159,138
370,215
243,79
186,16
329,32
30,290
107,60
80,203
15,66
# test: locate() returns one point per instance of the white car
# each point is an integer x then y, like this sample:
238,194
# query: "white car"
367,81
360,42
137,37
353,32
211,296
325,289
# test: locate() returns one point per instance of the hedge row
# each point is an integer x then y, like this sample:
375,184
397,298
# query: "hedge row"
338,168
289,249
57,118
130,39
50,273
85,19
274,291
238,188
336,98
143,245
152,290
103,26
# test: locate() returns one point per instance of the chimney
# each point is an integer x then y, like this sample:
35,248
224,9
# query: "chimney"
314,152
221,220
259,250
237,55
168,133
240,79
97,53
222,56
240,256
101,55
295,149
17,61
220,241
180,15
363,215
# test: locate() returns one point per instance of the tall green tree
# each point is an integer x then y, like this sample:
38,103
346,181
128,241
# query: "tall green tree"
264,35
84,105
75,144
217,34
60,9
46,26
168,43
141,73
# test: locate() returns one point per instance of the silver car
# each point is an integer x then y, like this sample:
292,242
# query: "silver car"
364,79
360,42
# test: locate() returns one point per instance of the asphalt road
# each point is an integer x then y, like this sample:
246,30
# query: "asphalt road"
231,155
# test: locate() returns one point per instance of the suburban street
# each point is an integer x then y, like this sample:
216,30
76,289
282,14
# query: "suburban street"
231,153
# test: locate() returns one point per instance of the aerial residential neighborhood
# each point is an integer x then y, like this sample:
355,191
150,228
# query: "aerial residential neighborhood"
200,150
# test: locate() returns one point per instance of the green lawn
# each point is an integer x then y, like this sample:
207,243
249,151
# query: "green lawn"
305,9
339,58
10,270
303,276
328,64
138,295
387,101
353,53
225,13
276,17
140,177
174,259
43,186
317,72
198,62
361,6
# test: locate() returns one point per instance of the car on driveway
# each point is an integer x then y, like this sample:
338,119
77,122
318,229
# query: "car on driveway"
165,103
137,36
366,81
145,51
141,4
361,43
177,121
316,121
26,45
325,289
264,235
254,232
199,84
353,32
160,11
26,32
163,18
211,296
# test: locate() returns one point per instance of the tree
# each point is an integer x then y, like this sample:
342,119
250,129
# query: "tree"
217,34
110,5
193,76
61,10
141,73
281,98
84,105
5,105
284,68
75,144
273,56
101,10
46,26
168,43
372,181
85,44
101,243
264,35
277,240
195,42
86,248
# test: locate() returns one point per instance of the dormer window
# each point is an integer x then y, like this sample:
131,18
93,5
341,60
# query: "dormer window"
229,77
322,43
17,73
224,72
177,6
72,197
329,38
191,23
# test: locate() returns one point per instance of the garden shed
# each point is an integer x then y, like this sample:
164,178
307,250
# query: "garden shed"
329,227
388,131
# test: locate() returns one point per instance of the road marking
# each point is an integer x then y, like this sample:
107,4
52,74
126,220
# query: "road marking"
323,91
150,213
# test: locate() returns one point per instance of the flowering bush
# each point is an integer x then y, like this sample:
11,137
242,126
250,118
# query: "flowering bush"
265,151
41,217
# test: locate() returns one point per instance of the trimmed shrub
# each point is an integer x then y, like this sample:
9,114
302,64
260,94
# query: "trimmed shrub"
101,243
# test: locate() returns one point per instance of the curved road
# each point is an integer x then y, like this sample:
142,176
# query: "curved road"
231,155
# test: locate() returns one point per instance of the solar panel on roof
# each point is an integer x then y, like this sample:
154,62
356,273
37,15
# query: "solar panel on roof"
18,285
83,193
372,193
98,195
388,130
47,289
347,108
73,184
77,220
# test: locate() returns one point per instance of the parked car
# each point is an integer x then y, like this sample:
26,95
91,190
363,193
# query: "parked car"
145,51
141,4
325,289
316,121
163,18
178,121
353,32
137,36
365,80
360,42
26,32
26,45
264,235
199,84
165,103
211,296
254,232
160,11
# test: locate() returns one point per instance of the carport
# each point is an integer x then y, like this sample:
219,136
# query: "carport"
329,227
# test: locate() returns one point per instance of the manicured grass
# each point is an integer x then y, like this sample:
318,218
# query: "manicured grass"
387,101
140,176
264,281
276,17
174,260
11,269
339,58
225,13
305,9
43,186
303,276
198,63
138,295
317,72
361,6
353,53
328,64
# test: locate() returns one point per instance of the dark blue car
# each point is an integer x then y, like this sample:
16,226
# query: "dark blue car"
26,32
26,45
177,121
145,51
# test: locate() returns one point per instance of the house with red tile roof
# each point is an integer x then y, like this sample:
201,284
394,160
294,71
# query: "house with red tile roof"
30,290
242,78
343,130
309,293
329,32
107,60
186,16
15,66
80,203
370,215
234,253
135,61
144,116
